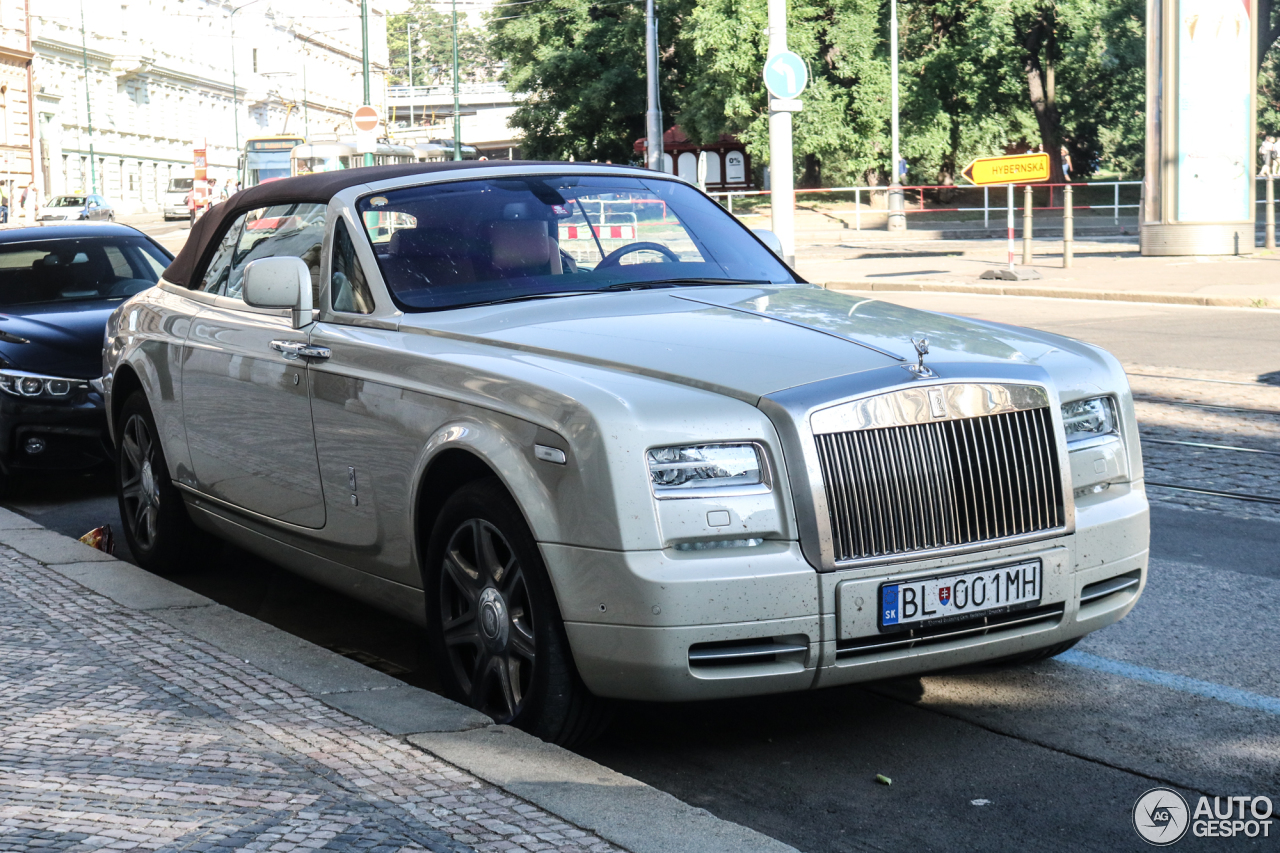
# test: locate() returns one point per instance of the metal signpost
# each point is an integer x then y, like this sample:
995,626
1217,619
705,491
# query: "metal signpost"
365,121
364,63
785,76
653,112
1011,170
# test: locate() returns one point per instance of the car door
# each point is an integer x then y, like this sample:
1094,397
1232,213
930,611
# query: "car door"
246,400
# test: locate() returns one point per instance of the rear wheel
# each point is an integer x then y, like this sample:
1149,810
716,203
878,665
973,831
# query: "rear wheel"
160,534
495,630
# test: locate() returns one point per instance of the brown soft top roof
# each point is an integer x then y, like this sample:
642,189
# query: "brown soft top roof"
318,187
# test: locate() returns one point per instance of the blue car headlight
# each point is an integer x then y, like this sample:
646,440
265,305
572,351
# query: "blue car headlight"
19,383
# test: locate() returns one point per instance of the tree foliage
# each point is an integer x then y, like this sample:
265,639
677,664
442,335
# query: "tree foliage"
977,77
432,34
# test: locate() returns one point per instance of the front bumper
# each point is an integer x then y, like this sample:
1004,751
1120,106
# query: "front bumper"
661,625
73,433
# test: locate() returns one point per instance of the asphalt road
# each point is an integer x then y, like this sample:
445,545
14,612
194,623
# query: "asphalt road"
1044,757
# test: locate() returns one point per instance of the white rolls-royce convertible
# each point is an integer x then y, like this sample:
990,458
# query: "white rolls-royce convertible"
589,430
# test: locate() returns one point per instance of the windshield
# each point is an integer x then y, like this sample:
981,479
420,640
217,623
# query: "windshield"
473,242
179,185
67,201
69,270
264,166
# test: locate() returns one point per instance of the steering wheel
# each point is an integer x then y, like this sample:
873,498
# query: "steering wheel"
615,257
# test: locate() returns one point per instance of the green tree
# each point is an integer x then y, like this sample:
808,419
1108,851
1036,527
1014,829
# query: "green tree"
977,77
580,66
432,34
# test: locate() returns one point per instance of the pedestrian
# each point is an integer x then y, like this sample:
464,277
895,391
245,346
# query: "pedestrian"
191,206
902,169
1267,153
1275,155
1066,162
30,203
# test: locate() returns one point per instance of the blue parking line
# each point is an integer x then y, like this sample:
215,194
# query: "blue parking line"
1230,695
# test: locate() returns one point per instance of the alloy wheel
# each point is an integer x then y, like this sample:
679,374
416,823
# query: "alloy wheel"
140,493
487,619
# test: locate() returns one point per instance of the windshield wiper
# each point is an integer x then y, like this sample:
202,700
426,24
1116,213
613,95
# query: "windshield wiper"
528,297
679,282
622,285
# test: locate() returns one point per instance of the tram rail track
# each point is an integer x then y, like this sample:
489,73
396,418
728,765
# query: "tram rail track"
1215,407
1217,493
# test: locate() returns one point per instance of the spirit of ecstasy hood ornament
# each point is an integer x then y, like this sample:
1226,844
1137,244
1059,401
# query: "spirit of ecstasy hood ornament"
922,349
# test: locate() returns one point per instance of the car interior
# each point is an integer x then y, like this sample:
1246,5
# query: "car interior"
58,270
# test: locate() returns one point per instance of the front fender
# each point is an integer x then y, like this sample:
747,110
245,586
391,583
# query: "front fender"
145,337
506,446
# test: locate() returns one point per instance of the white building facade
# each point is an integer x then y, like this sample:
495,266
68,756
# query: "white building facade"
165,75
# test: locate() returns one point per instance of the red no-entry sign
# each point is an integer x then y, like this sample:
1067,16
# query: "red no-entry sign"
365,119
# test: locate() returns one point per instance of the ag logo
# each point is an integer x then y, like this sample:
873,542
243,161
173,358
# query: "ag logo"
1160,816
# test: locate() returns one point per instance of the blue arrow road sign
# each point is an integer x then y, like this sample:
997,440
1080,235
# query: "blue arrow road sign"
785,75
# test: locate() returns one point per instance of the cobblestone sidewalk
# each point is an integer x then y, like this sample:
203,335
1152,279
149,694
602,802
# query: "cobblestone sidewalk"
118,732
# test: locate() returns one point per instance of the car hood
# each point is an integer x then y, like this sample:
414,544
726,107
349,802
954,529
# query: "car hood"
749,341
63,339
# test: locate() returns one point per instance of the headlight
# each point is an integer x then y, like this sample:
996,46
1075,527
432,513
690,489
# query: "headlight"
682,470
21,384
1086,419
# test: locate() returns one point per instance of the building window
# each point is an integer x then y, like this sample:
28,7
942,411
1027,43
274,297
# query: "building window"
255,60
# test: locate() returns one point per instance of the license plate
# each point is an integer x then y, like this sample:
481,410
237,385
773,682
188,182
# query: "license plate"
952,598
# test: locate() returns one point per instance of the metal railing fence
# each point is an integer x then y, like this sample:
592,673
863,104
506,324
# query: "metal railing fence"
1051,193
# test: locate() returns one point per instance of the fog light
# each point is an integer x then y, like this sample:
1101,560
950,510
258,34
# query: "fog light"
34,445
1092,490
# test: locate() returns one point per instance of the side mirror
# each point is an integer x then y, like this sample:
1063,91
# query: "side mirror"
769,239
279,283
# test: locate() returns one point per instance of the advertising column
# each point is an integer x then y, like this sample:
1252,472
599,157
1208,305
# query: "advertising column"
1199,188
200,185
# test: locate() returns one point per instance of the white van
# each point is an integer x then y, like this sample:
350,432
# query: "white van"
175,198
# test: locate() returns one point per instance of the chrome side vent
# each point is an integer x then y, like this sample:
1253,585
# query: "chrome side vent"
924,486
751,651
1110,586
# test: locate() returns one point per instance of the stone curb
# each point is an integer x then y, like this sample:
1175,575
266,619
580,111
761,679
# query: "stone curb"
1271,302
621,810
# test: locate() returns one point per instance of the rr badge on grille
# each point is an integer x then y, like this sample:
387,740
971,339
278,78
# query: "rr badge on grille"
937,403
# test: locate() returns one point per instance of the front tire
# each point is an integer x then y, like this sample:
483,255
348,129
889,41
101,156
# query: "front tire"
160,534
493,624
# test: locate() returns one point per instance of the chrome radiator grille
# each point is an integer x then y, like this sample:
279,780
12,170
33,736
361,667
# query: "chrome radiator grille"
923,486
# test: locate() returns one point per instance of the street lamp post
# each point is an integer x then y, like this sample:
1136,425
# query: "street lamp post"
457,119
408,36
235,92
897,218
88,102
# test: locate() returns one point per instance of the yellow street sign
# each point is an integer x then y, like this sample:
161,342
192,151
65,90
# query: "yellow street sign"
1015,169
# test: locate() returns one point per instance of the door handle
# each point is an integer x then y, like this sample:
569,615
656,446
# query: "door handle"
293,350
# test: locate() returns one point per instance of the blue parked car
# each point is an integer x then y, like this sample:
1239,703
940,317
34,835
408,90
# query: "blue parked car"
57,287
